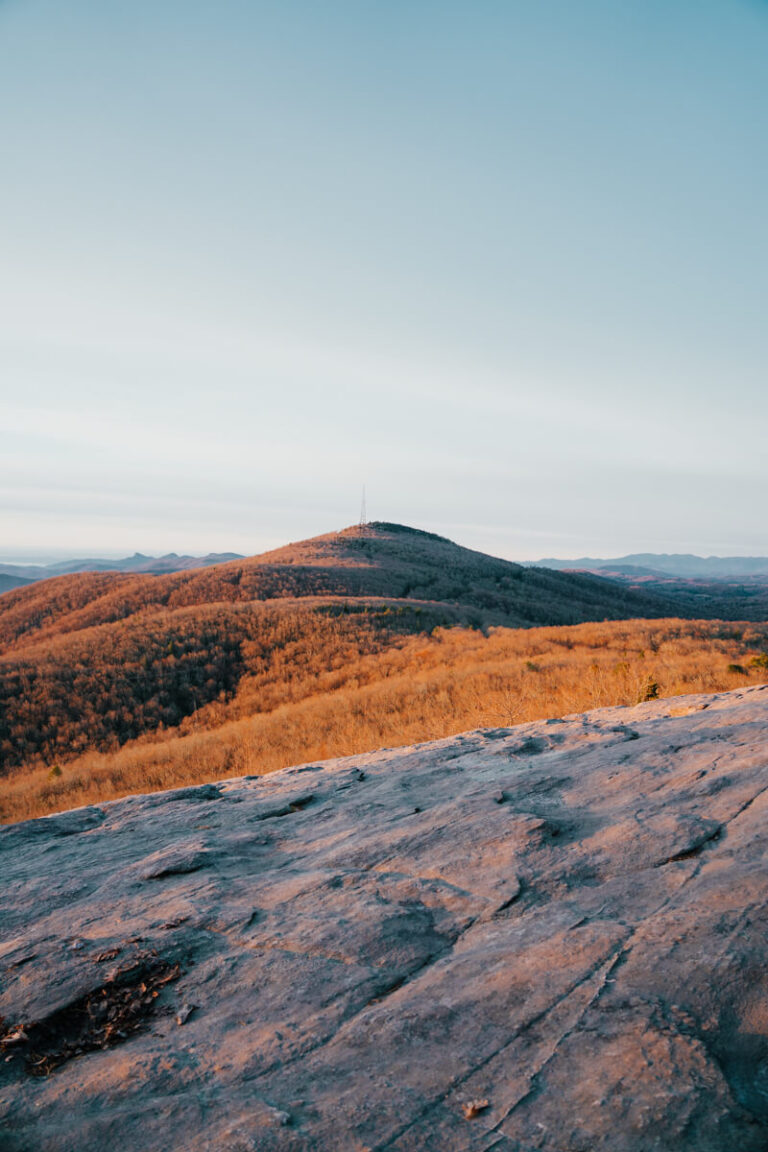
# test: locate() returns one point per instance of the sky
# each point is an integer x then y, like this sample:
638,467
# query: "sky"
505,262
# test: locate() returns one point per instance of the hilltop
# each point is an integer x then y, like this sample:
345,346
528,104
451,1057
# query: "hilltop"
545,937
387,561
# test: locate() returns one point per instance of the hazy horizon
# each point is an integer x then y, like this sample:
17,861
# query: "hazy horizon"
44,557
506,263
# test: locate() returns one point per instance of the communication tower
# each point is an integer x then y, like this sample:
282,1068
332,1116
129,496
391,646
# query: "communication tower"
363,515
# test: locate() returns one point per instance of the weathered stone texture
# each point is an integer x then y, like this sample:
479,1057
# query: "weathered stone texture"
547,937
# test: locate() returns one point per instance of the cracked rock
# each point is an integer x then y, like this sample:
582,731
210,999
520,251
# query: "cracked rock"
407,964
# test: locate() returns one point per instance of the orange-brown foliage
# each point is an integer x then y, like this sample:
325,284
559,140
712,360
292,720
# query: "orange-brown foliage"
390,561
315,685
99,687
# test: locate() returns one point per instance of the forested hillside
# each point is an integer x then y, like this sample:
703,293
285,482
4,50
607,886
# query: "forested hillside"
314,685
386,561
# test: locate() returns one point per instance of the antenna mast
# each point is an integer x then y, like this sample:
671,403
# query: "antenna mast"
363,515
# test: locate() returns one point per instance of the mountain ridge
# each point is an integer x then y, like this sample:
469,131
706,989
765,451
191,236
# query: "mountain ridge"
681,564
379,560
8,582
138,562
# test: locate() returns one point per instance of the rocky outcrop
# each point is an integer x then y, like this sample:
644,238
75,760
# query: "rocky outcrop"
545,937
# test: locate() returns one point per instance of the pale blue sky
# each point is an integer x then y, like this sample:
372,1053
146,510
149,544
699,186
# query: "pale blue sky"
505,261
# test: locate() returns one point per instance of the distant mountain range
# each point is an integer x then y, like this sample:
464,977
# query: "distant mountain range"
691,580
661,565
636,566
16,575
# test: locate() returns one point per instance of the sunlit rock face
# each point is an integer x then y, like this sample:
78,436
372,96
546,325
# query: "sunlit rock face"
544,937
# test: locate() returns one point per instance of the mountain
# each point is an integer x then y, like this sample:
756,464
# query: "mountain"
547,937
664,564
136,563
713,587
385,560
8,582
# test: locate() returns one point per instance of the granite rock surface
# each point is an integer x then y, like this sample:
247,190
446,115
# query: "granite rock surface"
548,937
